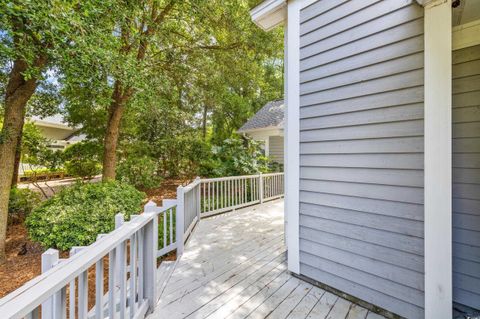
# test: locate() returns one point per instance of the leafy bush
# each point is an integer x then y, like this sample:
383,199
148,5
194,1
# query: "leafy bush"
236,157
21,203
83,159
77,214
141,172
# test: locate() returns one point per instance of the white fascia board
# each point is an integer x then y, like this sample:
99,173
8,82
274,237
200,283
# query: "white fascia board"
268,128
65,127
269,14
430,3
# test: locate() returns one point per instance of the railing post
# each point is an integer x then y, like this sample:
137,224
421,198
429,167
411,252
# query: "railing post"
180,220
199,197
119,221
150,246
260,187
49,260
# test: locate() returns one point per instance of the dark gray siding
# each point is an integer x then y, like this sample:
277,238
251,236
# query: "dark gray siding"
276,148
361,150
466,176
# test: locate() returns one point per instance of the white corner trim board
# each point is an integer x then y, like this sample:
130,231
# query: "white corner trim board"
292,135
438,160
269,14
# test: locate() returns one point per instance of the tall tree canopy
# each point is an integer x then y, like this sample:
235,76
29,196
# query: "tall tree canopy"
165,77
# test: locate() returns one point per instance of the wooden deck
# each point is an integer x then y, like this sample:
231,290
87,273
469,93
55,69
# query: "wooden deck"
234,266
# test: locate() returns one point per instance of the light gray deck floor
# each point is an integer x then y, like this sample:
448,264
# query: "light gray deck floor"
234,266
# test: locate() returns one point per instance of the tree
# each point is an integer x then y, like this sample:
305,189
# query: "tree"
34,35
198,57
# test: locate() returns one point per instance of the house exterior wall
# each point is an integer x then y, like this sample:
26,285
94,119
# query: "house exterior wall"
466,176
361,150
276,148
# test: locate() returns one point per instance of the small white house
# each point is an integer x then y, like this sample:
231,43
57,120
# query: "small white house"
59,133
266,126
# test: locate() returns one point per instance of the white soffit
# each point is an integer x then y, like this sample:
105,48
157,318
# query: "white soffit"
269,14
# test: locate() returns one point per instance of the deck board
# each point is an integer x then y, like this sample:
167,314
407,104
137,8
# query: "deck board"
234,266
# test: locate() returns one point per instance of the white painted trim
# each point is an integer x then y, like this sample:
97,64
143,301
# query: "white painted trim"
431,3
466,35
269,128
438,160
269,14
292,134
267,146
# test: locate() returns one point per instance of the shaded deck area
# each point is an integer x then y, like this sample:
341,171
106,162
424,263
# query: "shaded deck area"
234,266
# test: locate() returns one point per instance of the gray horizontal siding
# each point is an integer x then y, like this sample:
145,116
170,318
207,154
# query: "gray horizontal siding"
466,176
361,150
276,148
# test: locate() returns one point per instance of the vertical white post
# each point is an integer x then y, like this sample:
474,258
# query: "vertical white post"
438,159
292,134
119,221
260,187
149,272
180,220
199,197
49,260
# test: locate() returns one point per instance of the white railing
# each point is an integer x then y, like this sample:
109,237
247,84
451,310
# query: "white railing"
189,205
219,195
130,254
130,251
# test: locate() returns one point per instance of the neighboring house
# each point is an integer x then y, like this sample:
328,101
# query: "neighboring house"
57,131
382,149
266,126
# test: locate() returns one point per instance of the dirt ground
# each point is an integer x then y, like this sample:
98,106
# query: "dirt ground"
24,256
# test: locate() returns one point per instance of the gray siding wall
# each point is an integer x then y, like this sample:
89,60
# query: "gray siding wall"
361,150
466,176
276,148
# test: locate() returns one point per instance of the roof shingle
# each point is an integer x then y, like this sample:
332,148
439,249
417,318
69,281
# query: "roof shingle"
270,115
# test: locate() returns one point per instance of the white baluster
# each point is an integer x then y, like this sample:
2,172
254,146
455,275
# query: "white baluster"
49,260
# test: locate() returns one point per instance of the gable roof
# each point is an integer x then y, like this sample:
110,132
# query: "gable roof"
269,116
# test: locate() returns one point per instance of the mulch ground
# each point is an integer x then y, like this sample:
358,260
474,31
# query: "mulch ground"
24,256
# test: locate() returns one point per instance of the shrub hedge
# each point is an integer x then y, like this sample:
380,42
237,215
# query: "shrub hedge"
77,214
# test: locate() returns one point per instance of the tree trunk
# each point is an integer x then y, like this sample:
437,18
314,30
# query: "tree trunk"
18,157
115,112
204,122
17,94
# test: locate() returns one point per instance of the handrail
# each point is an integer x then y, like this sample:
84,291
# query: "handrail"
200,198
223,194
25,300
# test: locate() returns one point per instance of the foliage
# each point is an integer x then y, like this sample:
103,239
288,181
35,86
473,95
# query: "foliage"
141,172
83,159
236,157
186,80
77,214
21,203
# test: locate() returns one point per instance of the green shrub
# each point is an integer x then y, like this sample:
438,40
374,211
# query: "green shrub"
236,157
141,172
77,214
83,159
21,203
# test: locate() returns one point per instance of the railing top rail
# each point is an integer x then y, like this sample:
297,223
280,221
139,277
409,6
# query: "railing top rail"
26,298
273,174
219,179
190,186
